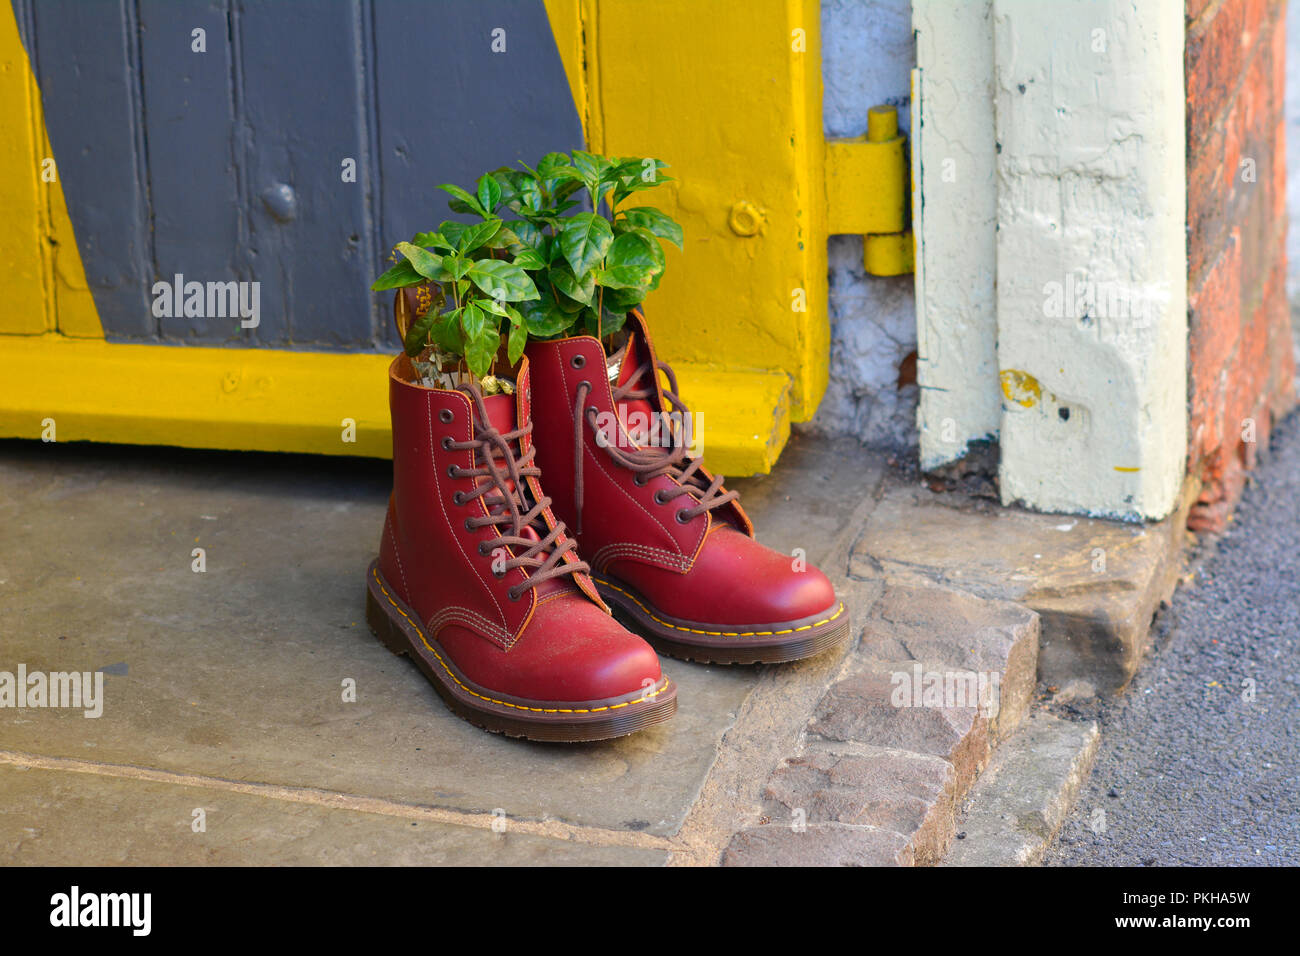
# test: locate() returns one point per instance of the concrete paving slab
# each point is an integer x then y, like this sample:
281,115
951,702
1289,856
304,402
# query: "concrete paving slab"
61,818
239,671
816,499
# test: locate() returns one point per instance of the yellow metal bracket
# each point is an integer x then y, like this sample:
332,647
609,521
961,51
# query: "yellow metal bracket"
867,193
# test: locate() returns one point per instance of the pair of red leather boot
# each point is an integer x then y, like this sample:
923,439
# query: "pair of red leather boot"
479,578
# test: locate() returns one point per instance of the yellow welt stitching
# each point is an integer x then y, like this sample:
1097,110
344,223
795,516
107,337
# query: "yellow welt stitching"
692,630
493,700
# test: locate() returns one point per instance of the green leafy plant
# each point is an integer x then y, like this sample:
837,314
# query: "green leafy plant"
551,271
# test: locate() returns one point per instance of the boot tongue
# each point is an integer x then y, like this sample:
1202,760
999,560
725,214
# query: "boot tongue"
636,412
501,413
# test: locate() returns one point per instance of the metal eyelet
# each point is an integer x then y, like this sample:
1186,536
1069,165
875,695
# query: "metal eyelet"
458,498
593,410
639,481
484,548
680,518
578,361
453,471
446,416
660,499
512,595
468,526
446,443
498,574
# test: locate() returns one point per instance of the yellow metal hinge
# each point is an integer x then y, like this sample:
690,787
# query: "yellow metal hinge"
867,193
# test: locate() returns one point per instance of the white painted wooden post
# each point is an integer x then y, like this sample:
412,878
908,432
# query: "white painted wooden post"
1091,251
1061,128
954,164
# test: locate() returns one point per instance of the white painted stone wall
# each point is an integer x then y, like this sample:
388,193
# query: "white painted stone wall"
867,58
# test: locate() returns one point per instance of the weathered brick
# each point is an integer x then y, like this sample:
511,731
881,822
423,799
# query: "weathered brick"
1239,365
1213,61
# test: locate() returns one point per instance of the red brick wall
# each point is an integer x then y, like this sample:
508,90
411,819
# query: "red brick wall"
1240,362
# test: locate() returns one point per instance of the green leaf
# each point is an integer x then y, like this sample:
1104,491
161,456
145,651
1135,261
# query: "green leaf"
529,234
472,203
638,249
584,241
446,333
543,318
547,164
516,342
530,195
509,180
610,322
503,238
502,280
620,300
493,306
477,235
399,276
417,336
636,174
456,267
567,305
452,231
655,222
489,193
590,168
562,278
530,259
481,350
423,261
435,240
624,277
472,321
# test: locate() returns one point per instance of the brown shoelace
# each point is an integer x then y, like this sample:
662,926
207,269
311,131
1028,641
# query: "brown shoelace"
509,512
651,460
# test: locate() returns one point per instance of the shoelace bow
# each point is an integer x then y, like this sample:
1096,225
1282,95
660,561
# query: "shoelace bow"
650,460
508,510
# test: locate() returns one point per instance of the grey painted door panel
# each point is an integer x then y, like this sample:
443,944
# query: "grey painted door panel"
311,236
85,56
189,128
228,164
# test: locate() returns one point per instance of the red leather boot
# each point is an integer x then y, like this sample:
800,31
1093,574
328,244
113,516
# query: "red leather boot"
667,543
479,584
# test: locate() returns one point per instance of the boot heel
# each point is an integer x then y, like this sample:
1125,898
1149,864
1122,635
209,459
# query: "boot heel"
381,625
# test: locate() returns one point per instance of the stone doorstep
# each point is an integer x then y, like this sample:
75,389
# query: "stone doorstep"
969,587
882,774
1095,583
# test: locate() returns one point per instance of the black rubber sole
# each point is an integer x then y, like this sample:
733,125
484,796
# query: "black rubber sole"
704,644
394,624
